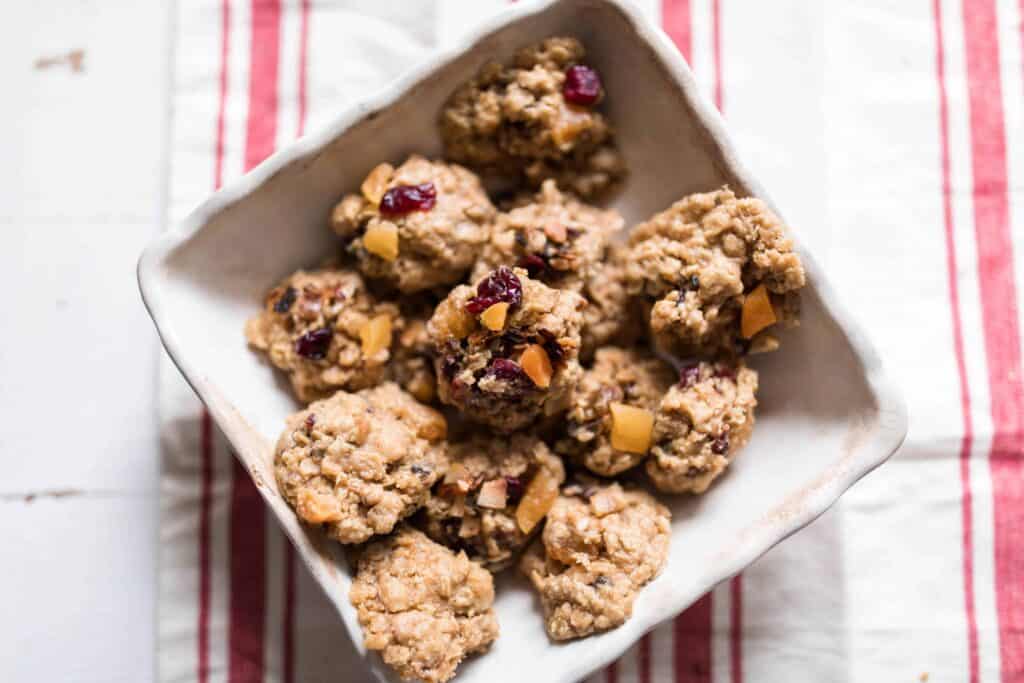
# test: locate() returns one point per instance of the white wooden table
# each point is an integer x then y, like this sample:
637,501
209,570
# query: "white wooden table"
80,194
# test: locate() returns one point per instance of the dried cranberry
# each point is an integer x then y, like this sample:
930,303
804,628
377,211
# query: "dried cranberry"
721,444
514,489
310,420
535,265
314,344
449,366
582,85
509,344
554,350
725,371
284,304
688,376
507,370
500,286
407,198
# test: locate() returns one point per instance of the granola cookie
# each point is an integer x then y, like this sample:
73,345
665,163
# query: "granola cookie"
417,226
701,424
535,117
700,259
507,349
424,607
619,376
558,239
359,463
474,507
312,326
601,544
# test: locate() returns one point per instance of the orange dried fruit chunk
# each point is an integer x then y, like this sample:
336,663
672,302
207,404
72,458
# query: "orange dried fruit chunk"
494,317
376,335
631,428
376,183
556,232
317,508
537,365
381,239
540,495
757,312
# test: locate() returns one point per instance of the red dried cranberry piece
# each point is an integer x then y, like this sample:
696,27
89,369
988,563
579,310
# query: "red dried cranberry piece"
554,350
310,421
688,376
284,304
725,371
501,285
582,85
406,198
721,444
514,489
535,265
314,344
449,366
507,370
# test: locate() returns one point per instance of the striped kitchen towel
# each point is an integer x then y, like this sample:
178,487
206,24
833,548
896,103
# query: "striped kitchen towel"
893,135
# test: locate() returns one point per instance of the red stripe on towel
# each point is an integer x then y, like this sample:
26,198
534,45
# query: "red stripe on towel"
736,628
643,657
205,423
248,514
205,501
248,580
967,538
678,24
692,630
999,322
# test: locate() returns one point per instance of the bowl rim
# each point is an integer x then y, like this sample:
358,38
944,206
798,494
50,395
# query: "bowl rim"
755,540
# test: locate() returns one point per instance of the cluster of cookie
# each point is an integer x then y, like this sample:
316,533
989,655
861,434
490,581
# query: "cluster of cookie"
457,360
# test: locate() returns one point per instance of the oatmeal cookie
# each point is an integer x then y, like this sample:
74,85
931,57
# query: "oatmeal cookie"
312,327
535,117
619,376
417,226
556,238
474,508
701,424
360,463
701,259
612,316
601,544
507,349
424,607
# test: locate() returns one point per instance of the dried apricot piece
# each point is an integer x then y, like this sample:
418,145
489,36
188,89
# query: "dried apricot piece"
376,183
376,335
537,365
381,239
540,495
757,312
494,317
631,428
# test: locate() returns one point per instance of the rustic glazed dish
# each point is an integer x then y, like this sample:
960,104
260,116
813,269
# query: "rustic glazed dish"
828,414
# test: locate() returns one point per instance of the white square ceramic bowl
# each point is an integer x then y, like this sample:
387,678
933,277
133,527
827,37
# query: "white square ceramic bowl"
827,412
